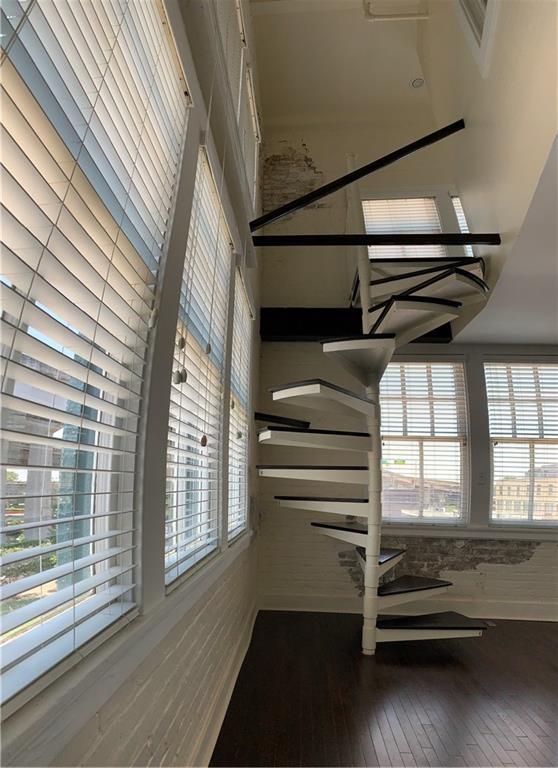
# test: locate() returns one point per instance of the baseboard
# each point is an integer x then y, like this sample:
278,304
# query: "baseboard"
313,603
218,710
527,610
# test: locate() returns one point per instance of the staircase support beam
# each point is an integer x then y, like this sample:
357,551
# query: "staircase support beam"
359,239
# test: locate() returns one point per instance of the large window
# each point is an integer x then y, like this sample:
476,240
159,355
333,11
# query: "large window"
193,501
424,443
93,117
239,415
523,418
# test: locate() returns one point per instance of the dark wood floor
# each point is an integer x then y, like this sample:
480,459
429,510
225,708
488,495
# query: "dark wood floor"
307,697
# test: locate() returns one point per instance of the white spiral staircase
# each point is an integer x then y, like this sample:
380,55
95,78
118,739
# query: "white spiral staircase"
401,299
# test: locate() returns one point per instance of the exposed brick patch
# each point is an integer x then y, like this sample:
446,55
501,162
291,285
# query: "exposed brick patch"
288,172
432,556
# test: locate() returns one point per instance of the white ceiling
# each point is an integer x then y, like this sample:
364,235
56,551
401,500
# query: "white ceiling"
323,62
523,308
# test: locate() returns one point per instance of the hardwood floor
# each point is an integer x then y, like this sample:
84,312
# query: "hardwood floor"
305,696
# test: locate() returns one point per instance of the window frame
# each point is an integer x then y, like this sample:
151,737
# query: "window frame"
529,523
481,49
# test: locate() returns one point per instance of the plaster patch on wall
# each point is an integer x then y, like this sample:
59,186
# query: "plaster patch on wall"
288,172
433,556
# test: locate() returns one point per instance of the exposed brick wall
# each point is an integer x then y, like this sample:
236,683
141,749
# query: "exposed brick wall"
162,714
288,171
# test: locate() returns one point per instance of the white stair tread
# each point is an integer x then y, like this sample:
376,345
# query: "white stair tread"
316,438
329,504
323,395
456,284
321,473
409,316
394,267
362,355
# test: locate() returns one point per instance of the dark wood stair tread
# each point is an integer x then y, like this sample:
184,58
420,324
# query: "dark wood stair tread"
274,419
411,584
386,554
316,431
307,466
307,382
354,527
446,620
322,498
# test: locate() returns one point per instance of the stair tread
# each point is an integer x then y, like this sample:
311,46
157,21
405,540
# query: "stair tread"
416,299
411,583
359,337
446,620
456,264
353,527
274,419
315,431
307,466
386,553
306,382
322,498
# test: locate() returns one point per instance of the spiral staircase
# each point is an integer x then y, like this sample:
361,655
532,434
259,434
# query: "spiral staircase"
401,299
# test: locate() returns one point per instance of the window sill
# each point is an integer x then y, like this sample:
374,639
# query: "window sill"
66,698
460,531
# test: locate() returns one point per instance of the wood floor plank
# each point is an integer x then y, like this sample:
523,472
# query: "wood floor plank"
306,696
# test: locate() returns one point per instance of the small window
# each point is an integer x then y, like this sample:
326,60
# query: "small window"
193,501
523,418
462,221
239,418
475,13
478,20
424,443
398,216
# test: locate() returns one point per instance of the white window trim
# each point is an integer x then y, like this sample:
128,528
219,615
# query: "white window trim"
481,51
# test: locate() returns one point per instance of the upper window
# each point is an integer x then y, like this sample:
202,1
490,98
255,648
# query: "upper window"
93,117
239,414
523,418
398,216
462,222
193,500
478,20
424,443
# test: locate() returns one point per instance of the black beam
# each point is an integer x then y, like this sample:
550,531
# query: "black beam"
358,173
299,324
444,238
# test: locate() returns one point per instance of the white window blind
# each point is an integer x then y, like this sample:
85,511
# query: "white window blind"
424,442
239,414
93,116
193,501
399,216
462,222
523,419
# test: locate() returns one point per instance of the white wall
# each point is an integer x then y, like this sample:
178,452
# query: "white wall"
169,711
511,113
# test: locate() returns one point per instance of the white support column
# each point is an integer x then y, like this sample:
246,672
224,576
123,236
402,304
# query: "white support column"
355,223
373,538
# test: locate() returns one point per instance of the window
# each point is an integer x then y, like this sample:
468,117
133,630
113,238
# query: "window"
193,501
462,222
398,216
249,131
523,418
93,115
424,443
239,418
475,13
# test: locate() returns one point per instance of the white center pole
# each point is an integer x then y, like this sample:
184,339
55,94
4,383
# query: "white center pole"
373,537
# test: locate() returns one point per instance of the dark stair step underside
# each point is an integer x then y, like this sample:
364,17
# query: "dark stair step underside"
316,431
405,584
